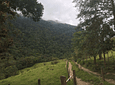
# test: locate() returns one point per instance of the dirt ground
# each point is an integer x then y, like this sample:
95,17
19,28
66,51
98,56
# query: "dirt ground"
87,70
79,81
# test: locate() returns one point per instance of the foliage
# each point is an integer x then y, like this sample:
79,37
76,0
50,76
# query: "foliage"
54,62
91,8
42,38
8,9
30,9
95,38
9,71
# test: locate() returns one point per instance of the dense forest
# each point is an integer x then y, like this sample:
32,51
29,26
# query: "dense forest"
35,42
41,38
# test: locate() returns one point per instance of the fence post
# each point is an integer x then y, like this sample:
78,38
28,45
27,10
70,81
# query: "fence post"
102,74
38,81
74,77
63,80
67,68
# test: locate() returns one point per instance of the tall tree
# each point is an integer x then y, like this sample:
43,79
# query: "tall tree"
95,38
8,9
89,8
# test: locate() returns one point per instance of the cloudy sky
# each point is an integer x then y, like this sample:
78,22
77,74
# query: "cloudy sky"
61,10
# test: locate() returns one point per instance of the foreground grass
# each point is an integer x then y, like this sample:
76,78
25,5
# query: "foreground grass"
84,76
48,74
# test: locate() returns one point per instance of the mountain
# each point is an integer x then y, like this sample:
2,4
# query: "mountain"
35,42
49,38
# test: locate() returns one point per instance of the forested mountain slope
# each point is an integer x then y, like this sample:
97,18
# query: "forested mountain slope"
47,38
35,42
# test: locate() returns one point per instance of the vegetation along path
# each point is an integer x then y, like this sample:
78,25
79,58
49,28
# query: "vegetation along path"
87,70
79,81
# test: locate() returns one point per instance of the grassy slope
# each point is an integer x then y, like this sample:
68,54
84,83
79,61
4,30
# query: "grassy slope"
30,76
110,64
95,79
86,76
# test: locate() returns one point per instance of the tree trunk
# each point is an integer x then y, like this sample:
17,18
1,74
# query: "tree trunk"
104,58
86,58
108,56
100,56
95,60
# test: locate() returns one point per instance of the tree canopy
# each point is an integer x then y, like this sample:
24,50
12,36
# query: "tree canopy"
95,38
90,8
8,9
31,8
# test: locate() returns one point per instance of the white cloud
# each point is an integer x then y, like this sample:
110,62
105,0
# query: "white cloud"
61,10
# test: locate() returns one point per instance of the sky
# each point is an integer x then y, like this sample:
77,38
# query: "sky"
63,11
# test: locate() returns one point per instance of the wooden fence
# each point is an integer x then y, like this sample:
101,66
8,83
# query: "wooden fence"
64,81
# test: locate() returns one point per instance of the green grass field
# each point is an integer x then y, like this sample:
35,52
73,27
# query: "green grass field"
48,74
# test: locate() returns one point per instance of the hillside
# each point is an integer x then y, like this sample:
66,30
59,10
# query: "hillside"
43,37
35,42
47,72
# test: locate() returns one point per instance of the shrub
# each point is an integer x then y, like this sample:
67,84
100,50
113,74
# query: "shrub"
82,62
2,75
20,64
78,60
10,71
25,62
54,62
54,58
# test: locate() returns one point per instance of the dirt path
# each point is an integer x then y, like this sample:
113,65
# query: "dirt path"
79,81
87,70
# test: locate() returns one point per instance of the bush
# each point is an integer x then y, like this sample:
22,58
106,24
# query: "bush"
10,71
96,68
29,61
26,62
79,60
54,62
36,60
54,58
82,63
20,64
2,75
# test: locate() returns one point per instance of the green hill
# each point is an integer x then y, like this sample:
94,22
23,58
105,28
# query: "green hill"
47,72
35,42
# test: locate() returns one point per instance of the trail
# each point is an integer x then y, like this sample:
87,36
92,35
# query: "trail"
79,81
87,70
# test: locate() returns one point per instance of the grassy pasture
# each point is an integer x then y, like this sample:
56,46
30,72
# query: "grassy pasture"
49,74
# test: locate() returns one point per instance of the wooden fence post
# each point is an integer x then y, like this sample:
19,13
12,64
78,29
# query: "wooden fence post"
102,74
38,81
63,80
74,77
67,68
